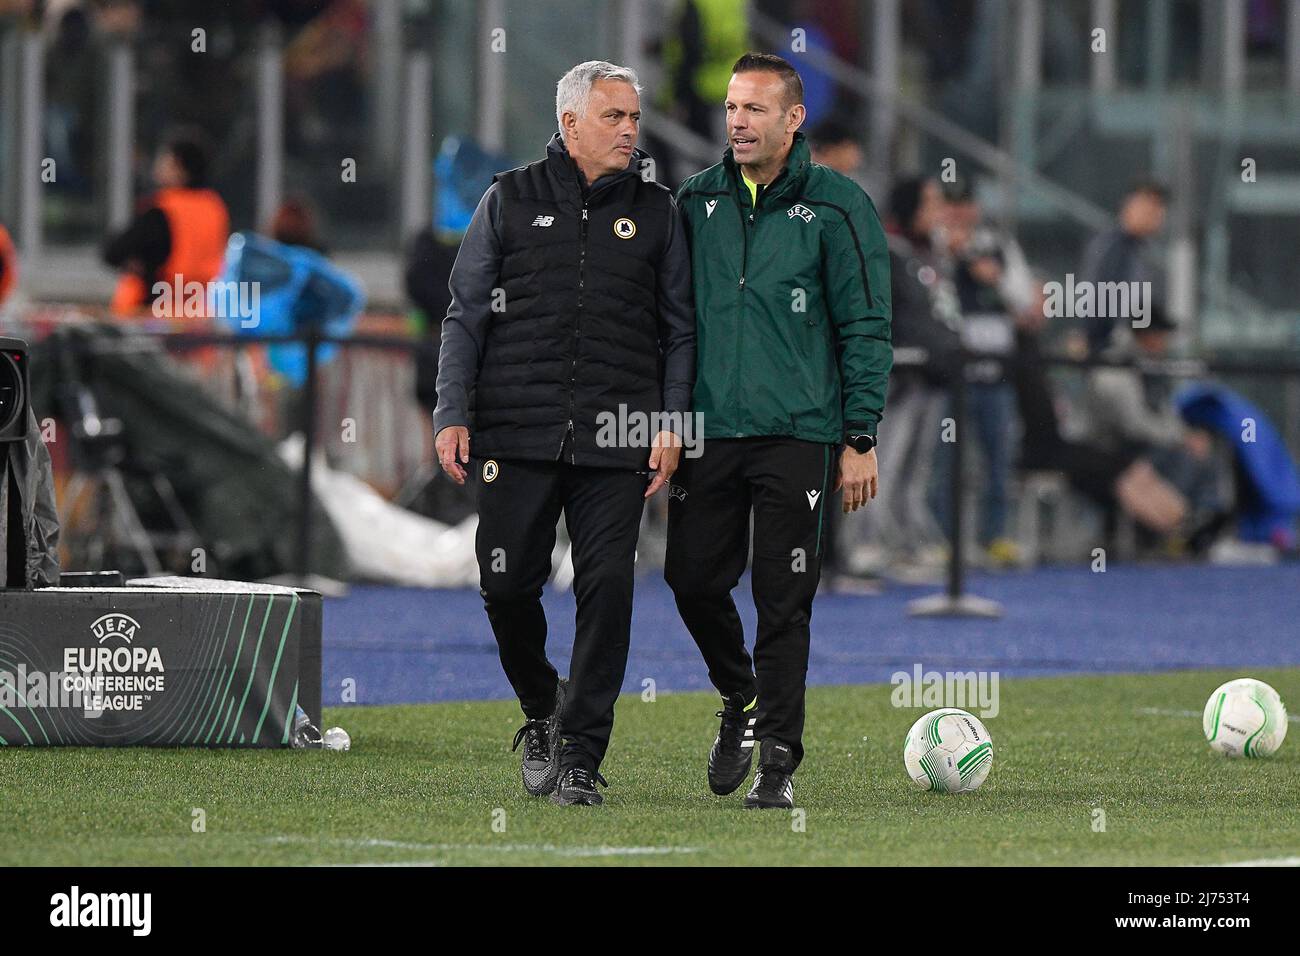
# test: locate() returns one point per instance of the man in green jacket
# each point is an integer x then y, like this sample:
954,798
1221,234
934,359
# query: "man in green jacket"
791,278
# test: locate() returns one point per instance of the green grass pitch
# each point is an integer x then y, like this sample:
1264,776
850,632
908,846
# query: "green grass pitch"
437,784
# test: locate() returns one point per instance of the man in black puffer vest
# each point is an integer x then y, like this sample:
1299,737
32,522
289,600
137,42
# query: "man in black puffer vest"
571,331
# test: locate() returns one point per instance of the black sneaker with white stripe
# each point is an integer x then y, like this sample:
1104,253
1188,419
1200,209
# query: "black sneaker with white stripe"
541,740
577,785
733,748
774,783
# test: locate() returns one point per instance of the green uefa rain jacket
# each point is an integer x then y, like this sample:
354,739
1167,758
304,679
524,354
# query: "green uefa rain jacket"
791,302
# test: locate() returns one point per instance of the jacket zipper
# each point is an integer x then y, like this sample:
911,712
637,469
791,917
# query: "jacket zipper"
577,334
577,322
744,266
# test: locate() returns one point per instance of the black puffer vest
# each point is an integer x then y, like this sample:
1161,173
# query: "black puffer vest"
576,334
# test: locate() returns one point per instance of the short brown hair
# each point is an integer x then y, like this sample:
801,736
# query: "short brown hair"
1149,187
770,63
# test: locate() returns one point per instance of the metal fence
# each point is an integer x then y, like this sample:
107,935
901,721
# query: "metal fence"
954,600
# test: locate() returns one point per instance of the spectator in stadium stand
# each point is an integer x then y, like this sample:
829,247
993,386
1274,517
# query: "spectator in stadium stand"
72,77
1131,407
836,144
1114,479
325,73
294,223
571,305
8,265
180,234
790,270
703,41
833,144
1117,480
899,530
993,284
1122,254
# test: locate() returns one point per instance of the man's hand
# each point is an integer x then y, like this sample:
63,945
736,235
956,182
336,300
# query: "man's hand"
452,445
665,453
858,474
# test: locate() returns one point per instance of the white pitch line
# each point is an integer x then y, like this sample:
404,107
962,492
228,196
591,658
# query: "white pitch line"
1162,712
573,851
1275,861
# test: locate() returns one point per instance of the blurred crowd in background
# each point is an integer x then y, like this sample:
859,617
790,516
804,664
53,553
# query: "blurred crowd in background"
1128,454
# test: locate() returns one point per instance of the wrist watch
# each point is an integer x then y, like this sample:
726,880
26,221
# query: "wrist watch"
860,443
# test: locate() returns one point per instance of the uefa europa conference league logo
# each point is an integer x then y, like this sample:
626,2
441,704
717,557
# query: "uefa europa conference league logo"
112,674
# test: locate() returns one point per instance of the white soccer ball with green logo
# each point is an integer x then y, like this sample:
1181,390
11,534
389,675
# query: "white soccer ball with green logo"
948,751
1245,718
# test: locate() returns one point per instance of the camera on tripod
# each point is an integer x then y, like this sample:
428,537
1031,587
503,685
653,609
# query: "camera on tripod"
13,390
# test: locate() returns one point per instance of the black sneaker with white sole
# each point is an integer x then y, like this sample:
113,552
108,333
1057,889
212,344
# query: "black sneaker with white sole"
577,785
541,740
733,748
774,783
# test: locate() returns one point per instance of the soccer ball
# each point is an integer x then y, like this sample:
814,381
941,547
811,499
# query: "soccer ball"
948,751
1245,718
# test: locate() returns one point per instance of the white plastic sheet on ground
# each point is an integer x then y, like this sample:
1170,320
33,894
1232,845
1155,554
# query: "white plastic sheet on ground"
384,542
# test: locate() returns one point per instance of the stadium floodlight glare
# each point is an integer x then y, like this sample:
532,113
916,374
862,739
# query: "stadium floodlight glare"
13,390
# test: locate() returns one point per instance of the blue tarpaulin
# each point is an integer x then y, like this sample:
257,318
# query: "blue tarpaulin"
1270,500
298,288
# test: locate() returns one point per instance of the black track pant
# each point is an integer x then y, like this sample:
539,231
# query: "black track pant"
786,483
518,510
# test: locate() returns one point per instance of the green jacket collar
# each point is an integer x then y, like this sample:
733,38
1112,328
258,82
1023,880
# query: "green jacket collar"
790,179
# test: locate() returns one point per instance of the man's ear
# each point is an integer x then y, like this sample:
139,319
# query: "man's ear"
796,118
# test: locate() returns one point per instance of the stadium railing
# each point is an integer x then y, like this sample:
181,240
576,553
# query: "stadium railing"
953,601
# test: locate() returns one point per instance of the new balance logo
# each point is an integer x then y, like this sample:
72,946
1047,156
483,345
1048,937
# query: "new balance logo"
543,220
802,211
709,205
812,498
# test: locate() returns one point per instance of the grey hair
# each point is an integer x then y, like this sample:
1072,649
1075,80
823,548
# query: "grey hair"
574,89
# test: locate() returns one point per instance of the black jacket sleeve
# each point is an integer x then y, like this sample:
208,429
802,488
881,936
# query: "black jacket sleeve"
464,330
676,317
